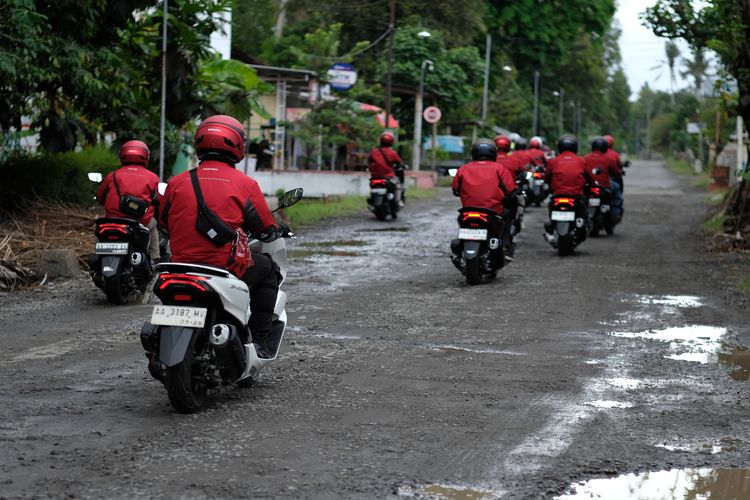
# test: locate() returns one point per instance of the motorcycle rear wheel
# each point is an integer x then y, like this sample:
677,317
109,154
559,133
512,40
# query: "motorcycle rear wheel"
381,212
186,394
114,289
564,247
473,272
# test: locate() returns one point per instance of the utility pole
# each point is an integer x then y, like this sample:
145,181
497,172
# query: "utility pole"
487,52
163,118
648,128
392,31
536,103
560,124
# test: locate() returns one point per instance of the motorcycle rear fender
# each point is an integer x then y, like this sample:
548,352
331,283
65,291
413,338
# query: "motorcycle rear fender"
112,264
562,228
377,200
471,249
173,343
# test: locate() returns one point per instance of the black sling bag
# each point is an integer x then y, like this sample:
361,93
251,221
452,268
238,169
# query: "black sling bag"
129,204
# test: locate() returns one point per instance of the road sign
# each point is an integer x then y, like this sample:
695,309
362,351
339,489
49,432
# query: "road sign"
695,127
342,76
432,114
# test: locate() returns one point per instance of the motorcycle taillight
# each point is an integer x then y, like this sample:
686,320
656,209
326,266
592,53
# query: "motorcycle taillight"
596,191
564,201
377,183
112,231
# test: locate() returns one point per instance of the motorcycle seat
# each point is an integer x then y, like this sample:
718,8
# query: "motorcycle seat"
181,267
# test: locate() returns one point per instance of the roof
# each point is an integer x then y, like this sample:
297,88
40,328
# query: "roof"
289,74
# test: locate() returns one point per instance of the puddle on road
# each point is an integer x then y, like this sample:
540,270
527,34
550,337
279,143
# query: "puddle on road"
385,230
689,343
336,243
609,404
716,484
737,358
711,449
301,254
447,492
625,383
670,300
478,350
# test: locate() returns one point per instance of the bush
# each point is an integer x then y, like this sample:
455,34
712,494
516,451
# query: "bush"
55,177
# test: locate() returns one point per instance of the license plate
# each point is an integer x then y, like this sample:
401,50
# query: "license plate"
120,248
539,182
378,191
595,202
564,216
472,234
179,316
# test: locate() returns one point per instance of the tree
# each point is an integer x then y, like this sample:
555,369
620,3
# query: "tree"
697,69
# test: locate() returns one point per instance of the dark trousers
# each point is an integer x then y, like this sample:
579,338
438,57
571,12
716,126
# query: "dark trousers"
263,280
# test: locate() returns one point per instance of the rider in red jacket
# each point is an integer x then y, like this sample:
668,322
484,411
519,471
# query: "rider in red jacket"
618,184
599,165
566,173
134,179
534,154
237,200
484,183
381,162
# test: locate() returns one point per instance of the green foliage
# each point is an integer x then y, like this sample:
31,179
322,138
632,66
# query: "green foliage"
62,176
314,210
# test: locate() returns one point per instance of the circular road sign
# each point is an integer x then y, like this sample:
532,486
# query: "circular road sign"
342,76
432,114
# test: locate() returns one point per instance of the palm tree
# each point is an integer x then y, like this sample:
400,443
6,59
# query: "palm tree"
697,69
672,52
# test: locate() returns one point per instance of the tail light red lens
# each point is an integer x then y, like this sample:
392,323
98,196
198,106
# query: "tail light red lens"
564,201
595,191
537,175
111,226
475,215
377,183
168,279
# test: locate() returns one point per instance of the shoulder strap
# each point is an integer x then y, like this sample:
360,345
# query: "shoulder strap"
384,157
197,189
114,181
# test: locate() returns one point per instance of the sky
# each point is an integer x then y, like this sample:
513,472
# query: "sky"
642,50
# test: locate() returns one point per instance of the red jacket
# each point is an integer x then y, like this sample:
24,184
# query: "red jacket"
615,156
535,156
483,184
381,162
511,163
605,164
522,157
232,195
134,180
566,174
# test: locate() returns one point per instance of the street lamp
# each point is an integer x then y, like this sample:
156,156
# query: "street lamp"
424,34
417,150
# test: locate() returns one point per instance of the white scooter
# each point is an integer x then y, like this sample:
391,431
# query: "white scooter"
198,337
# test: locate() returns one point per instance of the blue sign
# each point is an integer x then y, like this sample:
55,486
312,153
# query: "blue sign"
342,76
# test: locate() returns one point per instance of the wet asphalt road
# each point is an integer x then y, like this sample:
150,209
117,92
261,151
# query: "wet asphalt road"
399,380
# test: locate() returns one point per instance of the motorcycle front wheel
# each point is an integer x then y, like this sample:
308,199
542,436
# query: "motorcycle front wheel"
186,385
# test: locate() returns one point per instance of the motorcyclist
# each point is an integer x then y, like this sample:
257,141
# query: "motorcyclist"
567,175
133,179
385,163
235,199
600,166
483,183
520,152
512,165
534,153
617,182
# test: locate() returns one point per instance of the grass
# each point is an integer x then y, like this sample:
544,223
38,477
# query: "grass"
681,167
746,285
310,210
445,181
714,225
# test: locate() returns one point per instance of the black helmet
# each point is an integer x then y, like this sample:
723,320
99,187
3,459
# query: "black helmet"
484,149
521,144
599,144
567,142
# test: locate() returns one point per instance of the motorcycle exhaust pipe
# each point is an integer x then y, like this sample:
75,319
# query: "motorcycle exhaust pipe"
229,349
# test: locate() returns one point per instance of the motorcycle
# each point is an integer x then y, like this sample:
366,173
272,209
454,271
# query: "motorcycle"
526,187
539,188
567,227
120,264
384,199
198,338
478,252
600,211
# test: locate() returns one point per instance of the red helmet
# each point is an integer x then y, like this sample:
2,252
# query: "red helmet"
386,139
610,140
502,142
534,142
134,153
220,137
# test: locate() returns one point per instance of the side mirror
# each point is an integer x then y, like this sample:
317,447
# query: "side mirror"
95,177
452,172
290,198
162,187
626,164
